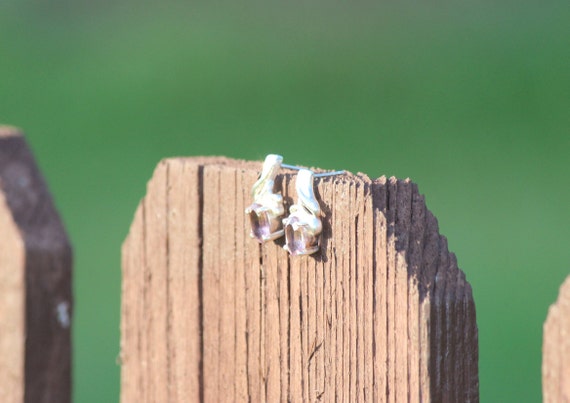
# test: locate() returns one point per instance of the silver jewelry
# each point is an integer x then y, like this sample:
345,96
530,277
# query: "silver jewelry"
303,226
266,211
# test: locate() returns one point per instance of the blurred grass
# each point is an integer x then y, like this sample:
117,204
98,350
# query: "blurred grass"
470,100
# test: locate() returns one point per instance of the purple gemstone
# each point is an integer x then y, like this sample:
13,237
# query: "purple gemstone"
260,224
264,225
299,240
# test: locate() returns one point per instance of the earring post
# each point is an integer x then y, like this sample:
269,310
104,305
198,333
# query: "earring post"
290,167
329,174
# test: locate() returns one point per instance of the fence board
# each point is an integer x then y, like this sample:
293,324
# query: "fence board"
381,313
556,349
35,282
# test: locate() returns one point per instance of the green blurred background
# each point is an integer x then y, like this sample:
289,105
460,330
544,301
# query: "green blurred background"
469,99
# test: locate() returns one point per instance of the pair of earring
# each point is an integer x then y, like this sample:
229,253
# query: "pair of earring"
302,228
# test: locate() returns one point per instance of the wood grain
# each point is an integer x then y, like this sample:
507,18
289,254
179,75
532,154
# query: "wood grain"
556,349
35,282
381,313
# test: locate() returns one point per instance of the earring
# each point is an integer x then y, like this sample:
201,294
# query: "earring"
303,226
267,209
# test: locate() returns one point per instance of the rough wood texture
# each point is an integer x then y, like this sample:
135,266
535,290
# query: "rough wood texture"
381,313
35,282
556,349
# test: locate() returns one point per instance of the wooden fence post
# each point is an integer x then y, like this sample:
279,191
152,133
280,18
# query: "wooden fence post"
382,313
556,349
35,282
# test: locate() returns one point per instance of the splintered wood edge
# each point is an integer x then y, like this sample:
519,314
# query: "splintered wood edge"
446,301
45,267
556,349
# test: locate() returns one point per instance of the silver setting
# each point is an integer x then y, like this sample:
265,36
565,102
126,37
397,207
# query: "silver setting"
267,209
303,226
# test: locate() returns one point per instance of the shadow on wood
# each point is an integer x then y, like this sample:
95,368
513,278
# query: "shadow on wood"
381,313
35,282
556,349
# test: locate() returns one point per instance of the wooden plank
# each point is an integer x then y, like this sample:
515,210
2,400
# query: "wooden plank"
242,238
343,260
133,355
556,349
253,273
184,238
380,313
156,286
324,348
439,331
211,286
403,215
283,272
380,301
391,286
353,297
366,262
333,342
229,214
35,282
415,258
428,272
12,307
271,300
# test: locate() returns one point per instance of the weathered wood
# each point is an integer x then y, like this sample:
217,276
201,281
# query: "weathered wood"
556,349
381,313
35,282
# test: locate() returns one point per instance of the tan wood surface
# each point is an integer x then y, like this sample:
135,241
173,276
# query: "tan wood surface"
556,349
35,282
381,313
